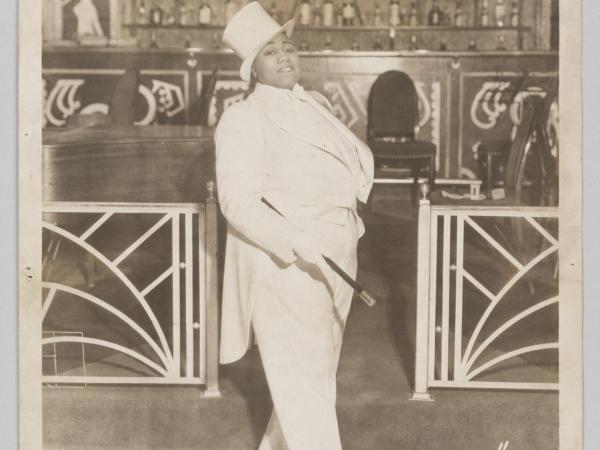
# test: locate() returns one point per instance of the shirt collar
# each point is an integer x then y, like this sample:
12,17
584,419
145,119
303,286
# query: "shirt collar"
275,96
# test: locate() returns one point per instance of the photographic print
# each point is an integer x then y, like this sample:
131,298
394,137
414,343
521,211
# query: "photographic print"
300,224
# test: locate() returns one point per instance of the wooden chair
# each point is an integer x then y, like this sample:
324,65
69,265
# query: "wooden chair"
392,123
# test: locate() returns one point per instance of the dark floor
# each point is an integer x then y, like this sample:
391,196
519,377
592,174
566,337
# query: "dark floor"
374,381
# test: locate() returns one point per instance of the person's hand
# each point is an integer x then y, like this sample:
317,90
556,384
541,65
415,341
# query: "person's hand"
311,252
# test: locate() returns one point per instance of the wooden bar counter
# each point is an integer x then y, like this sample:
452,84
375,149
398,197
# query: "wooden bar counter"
155,164
464,96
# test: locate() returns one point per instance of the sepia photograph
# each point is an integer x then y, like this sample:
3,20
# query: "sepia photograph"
300,225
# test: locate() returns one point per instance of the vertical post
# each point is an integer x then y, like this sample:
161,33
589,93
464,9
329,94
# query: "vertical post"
423,252
433,244
189,297
446,295
458,299
202,291
212,298
176,295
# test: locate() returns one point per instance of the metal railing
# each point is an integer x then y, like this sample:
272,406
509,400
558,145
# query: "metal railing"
178,349
450,354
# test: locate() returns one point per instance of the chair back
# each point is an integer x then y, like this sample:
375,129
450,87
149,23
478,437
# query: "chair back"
392,107
208,89
123,103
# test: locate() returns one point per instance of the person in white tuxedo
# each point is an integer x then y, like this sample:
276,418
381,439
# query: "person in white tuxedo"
289,175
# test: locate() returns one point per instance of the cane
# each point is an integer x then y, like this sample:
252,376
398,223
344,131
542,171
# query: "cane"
363,294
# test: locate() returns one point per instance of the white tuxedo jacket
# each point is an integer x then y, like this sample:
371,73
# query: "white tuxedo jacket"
264,151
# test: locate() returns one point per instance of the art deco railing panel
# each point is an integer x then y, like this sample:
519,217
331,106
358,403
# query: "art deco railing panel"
146,274
487,307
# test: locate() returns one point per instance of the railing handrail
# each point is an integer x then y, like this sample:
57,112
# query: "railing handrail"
132,207
504,211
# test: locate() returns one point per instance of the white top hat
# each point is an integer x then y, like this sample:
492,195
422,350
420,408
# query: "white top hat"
249,31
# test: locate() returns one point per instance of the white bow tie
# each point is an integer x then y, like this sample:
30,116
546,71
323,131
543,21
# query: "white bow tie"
299,92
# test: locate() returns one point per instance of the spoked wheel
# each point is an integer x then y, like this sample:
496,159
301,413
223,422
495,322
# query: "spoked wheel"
536,185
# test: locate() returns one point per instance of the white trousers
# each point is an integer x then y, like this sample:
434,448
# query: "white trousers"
299,327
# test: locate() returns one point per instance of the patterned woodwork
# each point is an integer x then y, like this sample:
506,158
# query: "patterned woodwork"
464,97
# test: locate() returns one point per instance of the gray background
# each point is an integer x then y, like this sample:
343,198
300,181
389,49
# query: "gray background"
8,223
591,220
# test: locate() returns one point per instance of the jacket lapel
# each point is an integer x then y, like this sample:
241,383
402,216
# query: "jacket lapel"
310,135
365,156
288,123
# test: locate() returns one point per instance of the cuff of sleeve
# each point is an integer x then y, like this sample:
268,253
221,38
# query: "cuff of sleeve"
288,257
287,254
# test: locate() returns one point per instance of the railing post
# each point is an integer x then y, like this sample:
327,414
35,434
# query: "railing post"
423,252
212,297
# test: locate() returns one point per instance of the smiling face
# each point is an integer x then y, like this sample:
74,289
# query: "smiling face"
277,64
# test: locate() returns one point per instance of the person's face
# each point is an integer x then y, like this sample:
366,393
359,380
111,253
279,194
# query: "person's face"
277,64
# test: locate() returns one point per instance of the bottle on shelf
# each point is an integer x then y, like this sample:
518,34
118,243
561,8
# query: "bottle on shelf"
156,16
459,15
500,13
394,13
378,45
434,16
274,11
445,16
305,18
354,46
204,14
443,45
328,42
317,16
413,19
169,16
182,18
392,40
403,16
188,40
501,46
514,15
328,14
141,19
216,40
472,44
303,46
153,39
377,22
414,45
231,9
348,14
339,15
485,14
